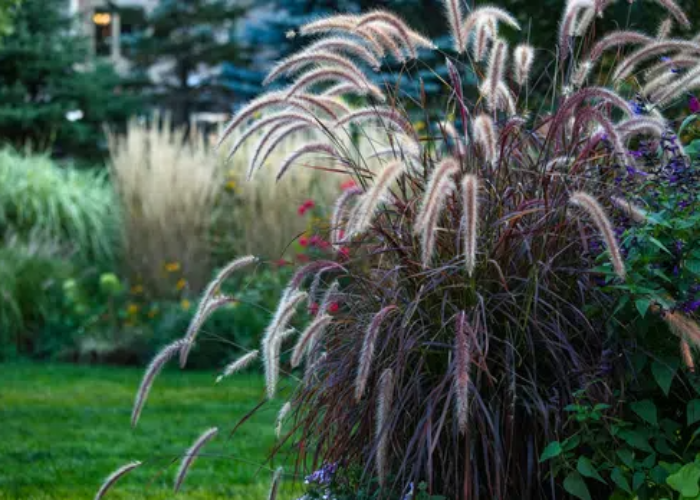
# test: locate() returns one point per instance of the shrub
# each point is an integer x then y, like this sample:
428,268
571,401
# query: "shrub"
74,208
458,332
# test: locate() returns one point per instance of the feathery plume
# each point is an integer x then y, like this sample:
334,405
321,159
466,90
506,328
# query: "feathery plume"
381,34
684,327
422,41
341,89
206,307
275,485
114,477
309,338
483,35
470,192
675,11
495,71
428,234
385,115
264,101
568,24
322,102
462,354
368,347
398,25
653,49
339,212
240,364
484,132
602,222
453,9
275,136
617,39
329,296
586,93
296,62
664,29
684,84
284,117
191,456
328,24
641,124
687,355
154,368
348,45
362,216
450,132
316,147
280,418
333,74
486,13
659,82
440,176
523,56
198,321
585,22
384,402
581,74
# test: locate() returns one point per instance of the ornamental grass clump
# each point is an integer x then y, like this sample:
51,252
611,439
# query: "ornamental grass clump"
466,254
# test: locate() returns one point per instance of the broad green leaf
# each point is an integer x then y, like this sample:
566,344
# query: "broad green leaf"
685,481
659,245
627,457
693,411
646,410
618,477
693,266
587,469
576,486
552,450
664,372
642,306
636,440
637,480
649,462
658,474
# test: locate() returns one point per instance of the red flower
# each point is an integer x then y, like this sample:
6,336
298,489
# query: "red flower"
333,307
349,184
313,309
303,258
304,241
344,253
306,206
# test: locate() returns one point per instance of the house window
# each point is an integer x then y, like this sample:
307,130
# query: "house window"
102,21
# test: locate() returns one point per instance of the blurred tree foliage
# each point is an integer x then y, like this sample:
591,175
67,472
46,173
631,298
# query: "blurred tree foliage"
7,12
50,98
182,49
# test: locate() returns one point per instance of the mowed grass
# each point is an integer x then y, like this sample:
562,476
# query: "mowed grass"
64,428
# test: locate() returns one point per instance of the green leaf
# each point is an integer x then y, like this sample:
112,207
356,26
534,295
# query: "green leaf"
552,450
646,411
693,411
637,480
636,440
659,245
686,123
642,306
618,477
685,481
576,486
587,469
693,266
663,373
627,457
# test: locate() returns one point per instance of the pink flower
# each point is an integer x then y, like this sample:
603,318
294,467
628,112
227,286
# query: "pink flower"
313,309
694,104
333,307
304,241
314,240
303,258
344,253
305,207
349,184
282,262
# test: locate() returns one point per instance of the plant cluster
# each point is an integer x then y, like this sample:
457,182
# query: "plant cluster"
463,330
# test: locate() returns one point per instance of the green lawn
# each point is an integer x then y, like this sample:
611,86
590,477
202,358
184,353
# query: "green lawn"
64,428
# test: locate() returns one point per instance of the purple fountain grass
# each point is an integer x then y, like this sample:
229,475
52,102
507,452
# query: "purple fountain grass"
389,115
368,348
329,24
339,213
283,118
347,45
483,35
381,34
333,74
383,17
449,131
470,194
675,11
204,312
114,477
671,64
238,365
441,175
523,57
275,485
567,26
384,404
269,142
325,103
686,83
587,115
463,361
634,212
455,18
154,368
585,22
257,104
296,63
602,222
654,85
641,124
486,12
665,28
445,188
370,201
192,455
617,39
329,296
309,337
284,411
683,327
687,356
314,147
653,49
495,71
484,132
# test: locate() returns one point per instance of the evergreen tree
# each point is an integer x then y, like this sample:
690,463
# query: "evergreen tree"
50,96
182,51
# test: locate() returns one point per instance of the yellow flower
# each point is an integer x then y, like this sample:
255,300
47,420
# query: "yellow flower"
172,267
181,283
231,185
137,289
419,126
132,309
185,304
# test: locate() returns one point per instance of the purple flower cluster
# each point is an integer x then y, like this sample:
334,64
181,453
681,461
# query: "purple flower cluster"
322,476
